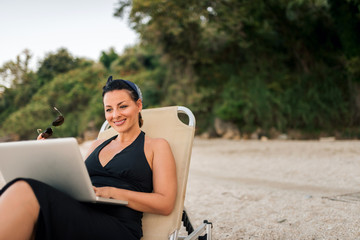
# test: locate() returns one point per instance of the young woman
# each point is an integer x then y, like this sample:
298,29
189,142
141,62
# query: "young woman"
129,166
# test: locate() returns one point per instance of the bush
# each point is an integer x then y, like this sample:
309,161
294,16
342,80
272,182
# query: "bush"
72,93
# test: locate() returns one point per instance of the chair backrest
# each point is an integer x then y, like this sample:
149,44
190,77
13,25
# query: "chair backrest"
165,123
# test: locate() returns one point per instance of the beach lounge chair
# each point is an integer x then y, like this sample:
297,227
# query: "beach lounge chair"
165,123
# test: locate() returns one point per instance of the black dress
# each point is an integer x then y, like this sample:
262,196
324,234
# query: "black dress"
62,217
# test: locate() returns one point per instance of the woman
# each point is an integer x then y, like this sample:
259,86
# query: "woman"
129,166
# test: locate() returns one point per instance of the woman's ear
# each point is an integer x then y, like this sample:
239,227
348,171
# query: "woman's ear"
139,104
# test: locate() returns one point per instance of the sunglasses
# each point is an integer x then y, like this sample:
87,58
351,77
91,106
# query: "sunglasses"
57,122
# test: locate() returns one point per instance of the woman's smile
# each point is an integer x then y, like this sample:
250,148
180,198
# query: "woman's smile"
120,122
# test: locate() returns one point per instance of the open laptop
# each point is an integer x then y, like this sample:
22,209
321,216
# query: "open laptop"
57,162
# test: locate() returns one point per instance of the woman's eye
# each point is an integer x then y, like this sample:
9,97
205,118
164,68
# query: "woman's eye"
108,110
123,106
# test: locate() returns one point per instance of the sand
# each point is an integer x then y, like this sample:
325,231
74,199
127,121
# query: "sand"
274,189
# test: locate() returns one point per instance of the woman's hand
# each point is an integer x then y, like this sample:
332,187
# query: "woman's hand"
40,137
105,192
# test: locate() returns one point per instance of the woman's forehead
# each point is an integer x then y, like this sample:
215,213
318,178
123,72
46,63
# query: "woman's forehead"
117,96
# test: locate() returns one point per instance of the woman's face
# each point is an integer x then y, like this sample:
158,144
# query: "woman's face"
121,112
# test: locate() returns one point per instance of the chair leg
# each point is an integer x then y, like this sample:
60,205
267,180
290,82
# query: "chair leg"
208,230
196,234
186,223
174,235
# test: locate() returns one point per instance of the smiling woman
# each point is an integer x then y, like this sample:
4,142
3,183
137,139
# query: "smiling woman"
129,166
121,103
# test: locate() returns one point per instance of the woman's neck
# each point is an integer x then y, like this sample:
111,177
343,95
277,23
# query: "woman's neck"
128,136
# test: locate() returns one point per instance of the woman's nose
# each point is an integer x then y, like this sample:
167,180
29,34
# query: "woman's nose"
116,113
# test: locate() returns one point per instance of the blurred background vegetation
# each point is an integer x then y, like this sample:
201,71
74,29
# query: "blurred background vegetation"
273,65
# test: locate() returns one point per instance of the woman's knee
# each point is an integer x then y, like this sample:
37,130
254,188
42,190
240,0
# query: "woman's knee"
18,206
22,191
21,186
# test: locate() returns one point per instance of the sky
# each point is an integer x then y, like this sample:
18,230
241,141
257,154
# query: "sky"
83,27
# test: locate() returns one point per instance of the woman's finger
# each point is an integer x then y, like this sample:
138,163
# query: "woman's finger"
40,137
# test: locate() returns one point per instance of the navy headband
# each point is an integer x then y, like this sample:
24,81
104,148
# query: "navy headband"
130,84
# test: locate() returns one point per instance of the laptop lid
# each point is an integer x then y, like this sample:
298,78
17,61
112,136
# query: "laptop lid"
57,162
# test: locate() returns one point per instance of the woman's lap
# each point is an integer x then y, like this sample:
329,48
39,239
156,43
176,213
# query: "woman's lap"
62,217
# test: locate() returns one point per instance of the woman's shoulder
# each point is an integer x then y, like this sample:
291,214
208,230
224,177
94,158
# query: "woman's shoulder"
97,142
157,150
94,145
156,143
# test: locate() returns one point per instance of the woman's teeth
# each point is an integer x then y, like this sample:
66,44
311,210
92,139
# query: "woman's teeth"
119,122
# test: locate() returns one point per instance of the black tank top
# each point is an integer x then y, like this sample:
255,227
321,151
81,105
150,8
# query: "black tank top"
128,169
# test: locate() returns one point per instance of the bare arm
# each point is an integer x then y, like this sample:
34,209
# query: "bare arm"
162,199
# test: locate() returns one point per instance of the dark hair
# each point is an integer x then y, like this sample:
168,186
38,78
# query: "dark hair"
120,84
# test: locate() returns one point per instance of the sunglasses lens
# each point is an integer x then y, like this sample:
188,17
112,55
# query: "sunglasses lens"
58,121
47,133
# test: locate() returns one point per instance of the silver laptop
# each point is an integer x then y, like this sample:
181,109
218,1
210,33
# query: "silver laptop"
57,162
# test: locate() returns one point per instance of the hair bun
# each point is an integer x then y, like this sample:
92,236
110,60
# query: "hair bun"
109,79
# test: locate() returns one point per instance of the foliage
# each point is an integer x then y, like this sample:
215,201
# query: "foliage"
54,64
70,93
14,73
283,64
142,65
275,63
108,57
77,94
19,84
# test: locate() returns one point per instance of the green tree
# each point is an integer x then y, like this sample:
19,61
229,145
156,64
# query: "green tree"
108,57
346,16
15,73
72,94
256,63
174,28
19,84
55,63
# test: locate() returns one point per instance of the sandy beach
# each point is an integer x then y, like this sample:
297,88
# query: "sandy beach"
275,189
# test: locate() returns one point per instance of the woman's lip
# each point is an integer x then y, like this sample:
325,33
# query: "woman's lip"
118,123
